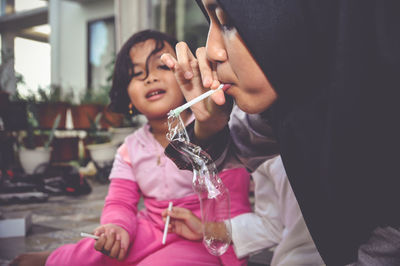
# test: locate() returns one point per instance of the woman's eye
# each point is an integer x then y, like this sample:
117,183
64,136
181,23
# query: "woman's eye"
223,20
227,27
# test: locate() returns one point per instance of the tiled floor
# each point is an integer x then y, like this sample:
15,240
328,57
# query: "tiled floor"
61,219
55,222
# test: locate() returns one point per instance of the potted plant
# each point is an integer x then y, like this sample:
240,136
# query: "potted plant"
101,149
50,103
32,155
128,126
111,119
87,109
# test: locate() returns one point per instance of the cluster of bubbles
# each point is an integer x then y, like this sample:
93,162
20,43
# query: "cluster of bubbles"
212,193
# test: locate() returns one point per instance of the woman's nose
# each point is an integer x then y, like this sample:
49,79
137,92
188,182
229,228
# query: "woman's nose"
215,47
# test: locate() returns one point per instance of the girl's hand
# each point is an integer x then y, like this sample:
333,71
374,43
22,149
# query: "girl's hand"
196,76
184,223
113,241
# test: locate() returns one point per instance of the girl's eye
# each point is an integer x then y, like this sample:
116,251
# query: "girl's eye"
164,67
137,74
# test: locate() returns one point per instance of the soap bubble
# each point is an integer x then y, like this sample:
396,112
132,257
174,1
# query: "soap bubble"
212,193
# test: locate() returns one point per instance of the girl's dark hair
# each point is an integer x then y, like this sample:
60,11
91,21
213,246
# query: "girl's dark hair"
123,70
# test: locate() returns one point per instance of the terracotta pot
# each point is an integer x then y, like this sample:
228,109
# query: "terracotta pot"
65,149
82,114
111,119
47,113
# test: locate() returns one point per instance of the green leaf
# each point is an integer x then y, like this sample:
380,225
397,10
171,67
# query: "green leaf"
53,129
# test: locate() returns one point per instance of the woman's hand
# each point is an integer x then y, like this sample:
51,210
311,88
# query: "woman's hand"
196,75
184,223
113,241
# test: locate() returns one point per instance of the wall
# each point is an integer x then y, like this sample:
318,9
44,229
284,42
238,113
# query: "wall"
68,21
131,16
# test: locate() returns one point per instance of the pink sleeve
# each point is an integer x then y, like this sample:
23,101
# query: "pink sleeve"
122,166
120,206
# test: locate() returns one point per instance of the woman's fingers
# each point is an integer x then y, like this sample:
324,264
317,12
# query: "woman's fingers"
205,67
185,58
216,82
168,60
218,97
179,213
164,213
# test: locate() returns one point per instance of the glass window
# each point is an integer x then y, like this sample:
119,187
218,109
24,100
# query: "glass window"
180,18
101,37
3,5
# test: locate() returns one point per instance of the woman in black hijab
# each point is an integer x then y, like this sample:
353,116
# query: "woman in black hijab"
330,80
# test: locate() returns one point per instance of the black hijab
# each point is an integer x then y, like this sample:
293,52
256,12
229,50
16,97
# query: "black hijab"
336,68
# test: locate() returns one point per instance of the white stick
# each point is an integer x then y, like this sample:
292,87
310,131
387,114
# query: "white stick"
166,224
89,235
181,108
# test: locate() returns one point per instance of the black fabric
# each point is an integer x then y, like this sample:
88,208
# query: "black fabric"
336,67
214,147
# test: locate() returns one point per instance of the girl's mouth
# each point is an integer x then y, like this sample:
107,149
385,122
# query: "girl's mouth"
154,93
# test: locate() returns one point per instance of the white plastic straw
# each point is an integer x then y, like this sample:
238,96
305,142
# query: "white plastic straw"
89,235
166,224
181,108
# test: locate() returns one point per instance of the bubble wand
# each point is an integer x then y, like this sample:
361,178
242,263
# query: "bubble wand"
199,98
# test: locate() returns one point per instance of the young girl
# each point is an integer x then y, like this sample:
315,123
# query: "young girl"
143,84
328,73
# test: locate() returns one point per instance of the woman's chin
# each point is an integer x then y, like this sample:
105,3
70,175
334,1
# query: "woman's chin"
248,108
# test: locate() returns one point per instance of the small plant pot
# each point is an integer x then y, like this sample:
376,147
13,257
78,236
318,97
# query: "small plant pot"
102,154
111,119
81,114
31,160
48,112
118,134
65,149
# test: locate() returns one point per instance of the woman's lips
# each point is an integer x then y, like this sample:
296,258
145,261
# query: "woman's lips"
226,87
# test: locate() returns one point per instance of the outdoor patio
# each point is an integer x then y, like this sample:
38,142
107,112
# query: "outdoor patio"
60,220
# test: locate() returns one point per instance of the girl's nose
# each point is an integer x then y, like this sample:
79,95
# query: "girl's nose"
151,78
215,47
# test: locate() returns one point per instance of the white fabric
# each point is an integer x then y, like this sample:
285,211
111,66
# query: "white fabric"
276,222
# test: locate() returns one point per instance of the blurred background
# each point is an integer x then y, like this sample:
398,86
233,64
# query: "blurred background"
57,59
57,137
71,43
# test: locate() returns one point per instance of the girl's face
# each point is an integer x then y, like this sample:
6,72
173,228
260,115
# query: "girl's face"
155,95
234,64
